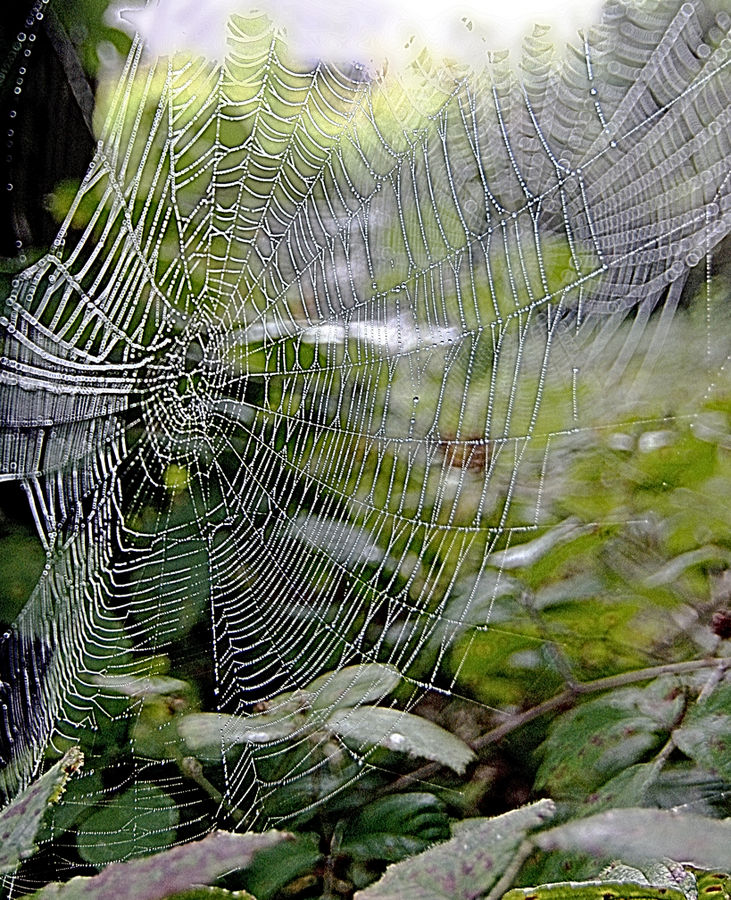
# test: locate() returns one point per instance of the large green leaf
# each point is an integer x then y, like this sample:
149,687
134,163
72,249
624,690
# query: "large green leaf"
395,827
402,733
157,877
465,867
21,820
589,745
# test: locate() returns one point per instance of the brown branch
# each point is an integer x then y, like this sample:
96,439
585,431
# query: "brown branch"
566,699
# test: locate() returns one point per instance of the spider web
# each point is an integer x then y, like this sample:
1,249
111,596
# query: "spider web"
290,375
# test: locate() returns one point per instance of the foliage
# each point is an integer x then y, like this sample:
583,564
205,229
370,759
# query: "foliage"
468,865
628,736
20,820
167,874
602,682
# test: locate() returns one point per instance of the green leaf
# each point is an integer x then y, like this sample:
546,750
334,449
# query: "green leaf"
636,835
81,793
589,745
21,820
353,685
661,880
179,869
466,866
141,686
277,866
212,735
137,822
629,788
393,828
706,733
402,733
595,890
713,885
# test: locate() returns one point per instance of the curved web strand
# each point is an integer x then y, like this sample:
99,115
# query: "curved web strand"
289,376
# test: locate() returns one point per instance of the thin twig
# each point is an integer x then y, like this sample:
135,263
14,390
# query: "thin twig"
568,696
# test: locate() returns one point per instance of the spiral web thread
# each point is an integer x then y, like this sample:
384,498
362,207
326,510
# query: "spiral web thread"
289,375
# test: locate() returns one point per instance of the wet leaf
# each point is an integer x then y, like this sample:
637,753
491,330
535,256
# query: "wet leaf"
353,685
211,893
141,686
402,733
212,735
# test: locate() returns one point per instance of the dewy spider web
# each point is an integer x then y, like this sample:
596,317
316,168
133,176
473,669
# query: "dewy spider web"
289,374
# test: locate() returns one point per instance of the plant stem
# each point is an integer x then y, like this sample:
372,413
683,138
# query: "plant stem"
191,768
508,876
